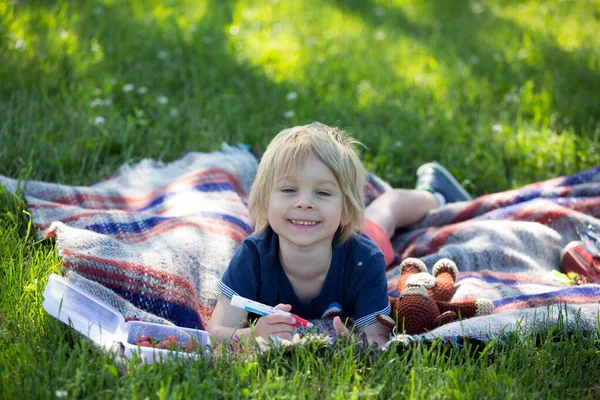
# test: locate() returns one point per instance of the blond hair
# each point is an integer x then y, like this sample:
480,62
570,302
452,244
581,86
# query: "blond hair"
288,152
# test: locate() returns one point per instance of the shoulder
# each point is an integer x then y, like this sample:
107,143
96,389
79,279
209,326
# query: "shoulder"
361,247
261,243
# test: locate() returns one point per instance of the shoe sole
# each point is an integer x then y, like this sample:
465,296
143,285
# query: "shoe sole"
448,176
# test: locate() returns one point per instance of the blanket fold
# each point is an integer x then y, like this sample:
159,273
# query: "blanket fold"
154,239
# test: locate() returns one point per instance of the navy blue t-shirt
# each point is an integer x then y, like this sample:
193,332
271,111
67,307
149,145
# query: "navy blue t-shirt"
355,284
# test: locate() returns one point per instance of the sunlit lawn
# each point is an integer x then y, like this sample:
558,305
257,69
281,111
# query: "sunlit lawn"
502,92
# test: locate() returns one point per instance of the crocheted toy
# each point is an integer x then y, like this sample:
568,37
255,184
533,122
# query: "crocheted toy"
423,301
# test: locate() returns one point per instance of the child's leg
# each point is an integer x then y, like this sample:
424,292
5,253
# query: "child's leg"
400,207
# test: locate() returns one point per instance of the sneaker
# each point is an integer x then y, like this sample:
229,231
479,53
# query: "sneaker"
435,178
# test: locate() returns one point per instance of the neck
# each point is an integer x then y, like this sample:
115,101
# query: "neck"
305,263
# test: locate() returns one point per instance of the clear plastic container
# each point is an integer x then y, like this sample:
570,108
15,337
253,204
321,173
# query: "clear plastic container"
105,325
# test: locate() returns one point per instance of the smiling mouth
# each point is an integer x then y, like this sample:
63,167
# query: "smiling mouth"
303,222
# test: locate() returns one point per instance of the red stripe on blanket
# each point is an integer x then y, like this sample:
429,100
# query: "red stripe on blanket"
183,285
211,176
531,303
128,213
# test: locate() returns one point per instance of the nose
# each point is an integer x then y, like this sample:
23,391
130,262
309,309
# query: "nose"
304,202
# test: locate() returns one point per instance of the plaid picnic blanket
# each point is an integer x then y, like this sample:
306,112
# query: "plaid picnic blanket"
154,239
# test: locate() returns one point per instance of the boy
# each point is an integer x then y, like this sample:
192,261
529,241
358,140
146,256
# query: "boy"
307,254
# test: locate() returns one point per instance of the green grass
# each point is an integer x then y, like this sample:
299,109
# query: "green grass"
502,92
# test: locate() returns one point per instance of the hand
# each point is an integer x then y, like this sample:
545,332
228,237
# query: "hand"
282,326
339,326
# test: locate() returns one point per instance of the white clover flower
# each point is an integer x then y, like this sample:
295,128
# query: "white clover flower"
97,103
289,114
61,393
474,60
63,34
497,128
379,11
95,47
379,35
511,97
128,87
98,10
163,54
174,112
193,28
291,96
234,30
20,44
477,8
142,90
99,121
162,99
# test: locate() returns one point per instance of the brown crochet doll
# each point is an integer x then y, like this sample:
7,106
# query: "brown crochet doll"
423,301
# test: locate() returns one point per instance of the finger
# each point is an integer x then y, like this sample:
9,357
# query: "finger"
339,327
275,329
284,335
283,307
279,319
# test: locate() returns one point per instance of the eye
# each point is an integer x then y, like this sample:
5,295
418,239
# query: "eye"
288,190
323,193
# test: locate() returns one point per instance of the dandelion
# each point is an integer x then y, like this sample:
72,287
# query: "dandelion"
289,114
379,35
174,112
99,121
128,87
234,30
497,128
291,96
61,393
162,99
163,54
142,90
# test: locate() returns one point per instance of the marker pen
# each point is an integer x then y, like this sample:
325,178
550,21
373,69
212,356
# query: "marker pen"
261,309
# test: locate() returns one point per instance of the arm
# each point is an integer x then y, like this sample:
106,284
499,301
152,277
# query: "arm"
377,334
226,323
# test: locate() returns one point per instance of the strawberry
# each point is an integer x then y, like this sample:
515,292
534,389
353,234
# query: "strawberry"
168,344
145,343
190,346
142,338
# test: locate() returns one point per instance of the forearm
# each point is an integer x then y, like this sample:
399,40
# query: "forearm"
225,333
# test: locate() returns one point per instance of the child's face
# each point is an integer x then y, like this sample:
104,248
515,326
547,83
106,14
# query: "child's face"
305,206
